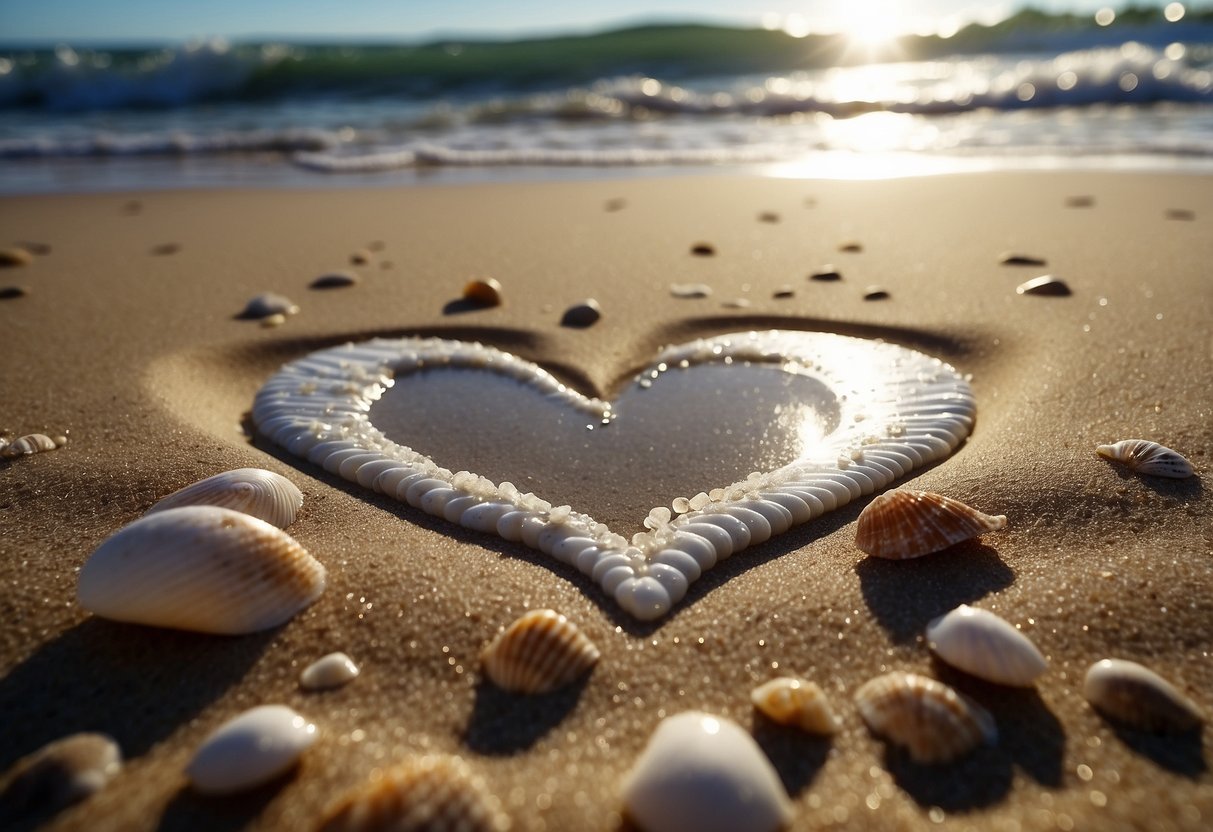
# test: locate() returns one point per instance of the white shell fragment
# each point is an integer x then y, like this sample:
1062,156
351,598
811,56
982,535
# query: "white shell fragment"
264,305
254,491
428,794
250,749
1137,696
1044,285
689,291
932,721
64,772
904,411
201,568
905,524
986,646
32,443
328,672
1146,457
704,773
540,652
795,702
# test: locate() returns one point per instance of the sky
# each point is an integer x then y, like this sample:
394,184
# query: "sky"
415,20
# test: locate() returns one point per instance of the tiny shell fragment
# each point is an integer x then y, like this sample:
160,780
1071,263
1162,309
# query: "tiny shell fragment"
32,443
851,247
791,701
582,314
986,646
14,256
360,257
932,721
905,524
703,249
266,304
250,749
485,292
64,772
783,292
826,273
1137,696
328,672
13,292
1146,457
336,280
690,290
254,491
875,293
538,653
1046,284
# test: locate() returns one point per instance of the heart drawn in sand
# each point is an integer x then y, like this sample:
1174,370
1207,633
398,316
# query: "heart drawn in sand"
890,410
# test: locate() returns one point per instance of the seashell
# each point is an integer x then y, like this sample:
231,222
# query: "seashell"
851,247
262,494
690,290
704,773
485,292
737,303
1009,259
427,794
783,292
768,216
875,293
201,568
826,273
984,645
703,249
31,443
1146,457
538,653
336,280
268,304
361,257
66,771
271,321
1046,284
13,292
904,524
250,749
1137,696
791,701
582,314
328,672
933,722
14,256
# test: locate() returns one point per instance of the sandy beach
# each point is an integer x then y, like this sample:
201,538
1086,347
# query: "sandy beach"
132,349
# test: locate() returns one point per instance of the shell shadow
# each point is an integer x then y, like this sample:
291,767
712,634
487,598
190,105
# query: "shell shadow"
1182,754
798,756
503,723
189,810
905,595
1186,490
982,778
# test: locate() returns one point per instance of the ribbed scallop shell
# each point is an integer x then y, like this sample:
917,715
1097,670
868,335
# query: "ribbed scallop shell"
932,721
1135,695
1146,457
201,568
263,494
66,771
538,653
429,794
908,524
984,645
791,701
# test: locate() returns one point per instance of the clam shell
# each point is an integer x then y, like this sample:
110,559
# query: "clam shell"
1146,457
201,568
984,645
268,303
250,749
485,292
1137,696
429,794
904,524
702,772
791,701
328,672
31,443
66,771
263,494
538,653
932,721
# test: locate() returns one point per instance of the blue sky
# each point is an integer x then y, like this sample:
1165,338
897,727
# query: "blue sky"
131,20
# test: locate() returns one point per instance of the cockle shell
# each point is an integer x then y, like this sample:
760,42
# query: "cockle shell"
268,303
932,721
31,443
1135,695
263,494
250,749
485,292
429,794
66,771
1146,457
327,672
202,568
791,701
984,645
704,773
904,524
538,653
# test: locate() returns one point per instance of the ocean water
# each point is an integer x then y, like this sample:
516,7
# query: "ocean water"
1033,92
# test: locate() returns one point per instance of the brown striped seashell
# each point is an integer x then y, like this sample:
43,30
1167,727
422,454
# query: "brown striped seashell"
933,722
428,794
905,524
254,491
1137,696
200,568
986,646
64,772
31,443
538,653
791,701
1146,457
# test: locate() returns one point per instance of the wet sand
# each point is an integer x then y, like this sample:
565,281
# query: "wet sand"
134,352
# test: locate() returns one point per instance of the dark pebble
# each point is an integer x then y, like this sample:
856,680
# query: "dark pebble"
1021,260
582,314
166,249
826,273
875,293
768,216
337,280
360,258
851,247
784,292
1080,202
11,292
703,250
1182,214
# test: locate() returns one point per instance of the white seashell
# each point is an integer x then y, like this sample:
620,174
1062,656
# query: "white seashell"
429,794
932,721
1135,695
790,701
264,305
704,773
250,749
327,672
538,653
984,645
1044,285
202,568
485,292
1146,457
908,524
66,771
690,290
262,494
32,443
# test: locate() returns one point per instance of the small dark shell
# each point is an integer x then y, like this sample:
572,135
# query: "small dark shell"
851,247
336,280
703,249
486,292
875,293
1021,260
540,652
582,314
826,273
12,292
66,771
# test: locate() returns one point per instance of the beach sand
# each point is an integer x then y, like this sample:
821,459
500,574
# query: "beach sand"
133,352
